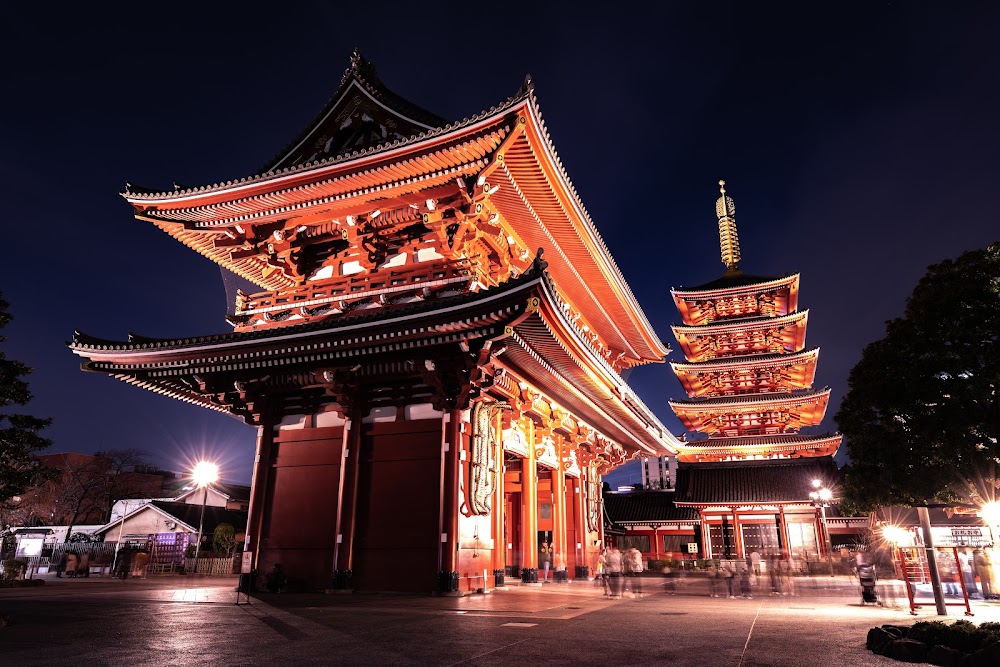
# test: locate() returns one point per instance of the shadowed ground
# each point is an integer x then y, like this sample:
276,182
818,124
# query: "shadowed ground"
188,621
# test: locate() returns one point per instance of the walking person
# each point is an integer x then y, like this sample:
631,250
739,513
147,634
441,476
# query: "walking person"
745,582
61,565
984,570
602,569
772,574
755,566
614,568
714,580
635,569
545,560
727,576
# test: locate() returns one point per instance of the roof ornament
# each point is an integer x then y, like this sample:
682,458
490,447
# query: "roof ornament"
539,264
729,241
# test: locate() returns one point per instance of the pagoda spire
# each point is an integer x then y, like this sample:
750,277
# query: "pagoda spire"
729,240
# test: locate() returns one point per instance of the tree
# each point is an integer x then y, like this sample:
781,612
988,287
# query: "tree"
224,539
20,437
84,487
921,418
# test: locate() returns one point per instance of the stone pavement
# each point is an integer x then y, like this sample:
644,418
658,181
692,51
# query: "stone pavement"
193,621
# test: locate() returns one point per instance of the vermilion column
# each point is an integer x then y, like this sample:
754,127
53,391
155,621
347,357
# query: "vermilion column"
259,485
450,500
706,536
499,503
529,504
738,534
343,553
559,537
783,526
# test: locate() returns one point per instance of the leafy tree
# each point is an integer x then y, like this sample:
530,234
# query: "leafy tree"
224,539
20,436
921,418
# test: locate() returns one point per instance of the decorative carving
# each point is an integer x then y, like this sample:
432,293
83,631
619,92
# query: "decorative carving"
482,468
594,498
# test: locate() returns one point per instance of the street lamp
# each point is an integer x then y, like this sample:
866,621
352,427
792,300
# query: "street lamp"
820,496
205,473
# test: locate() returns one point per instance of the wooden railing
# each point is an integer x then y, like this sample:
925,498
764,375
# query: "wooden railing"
335,294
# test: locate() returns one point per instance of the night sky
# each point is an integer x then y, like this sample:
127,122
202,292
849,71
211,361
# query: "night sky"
859,141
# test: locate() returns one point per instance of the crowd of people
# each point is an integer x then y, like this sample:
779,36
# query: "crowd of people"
618,571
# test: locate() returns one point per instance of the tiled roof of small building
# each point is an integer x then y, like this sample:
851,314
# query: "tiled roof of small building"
755,482
647,507
190,514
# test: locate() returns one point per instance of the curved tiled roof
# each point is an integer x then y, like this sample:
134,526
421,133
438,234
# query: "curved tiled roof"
736,282
647,507
726,363
752,399
753,482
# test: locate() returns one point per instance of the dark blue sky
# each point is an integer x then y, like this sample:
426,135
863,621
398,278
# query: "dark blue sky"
859,140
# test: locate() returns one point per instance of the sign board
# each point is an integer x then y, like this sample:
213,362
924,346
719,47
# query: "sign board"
965,536
692,547
247,563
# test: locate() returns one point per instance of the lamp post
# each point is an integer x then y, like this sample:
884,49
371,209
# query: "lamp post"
820,496
118,544
204,474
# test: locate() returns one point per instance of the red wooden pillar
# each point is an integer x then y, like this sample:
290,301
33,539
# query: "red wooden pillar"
347,510
559,537
706,535
783,525
259,489
499,503
529,504
738,533
450,497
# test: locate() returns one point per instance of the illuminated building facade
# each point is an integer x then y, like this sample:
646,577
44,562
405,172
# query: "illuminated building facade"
433,361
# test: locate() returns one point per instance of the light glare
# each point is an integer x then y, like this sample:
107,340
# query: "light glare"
205,473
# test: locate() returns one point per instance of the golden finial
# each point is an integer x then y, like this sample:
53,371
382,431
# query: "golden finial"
729,241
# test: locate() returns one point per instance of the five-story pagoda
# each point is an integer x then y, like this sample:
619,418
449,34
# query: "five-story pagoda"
749,376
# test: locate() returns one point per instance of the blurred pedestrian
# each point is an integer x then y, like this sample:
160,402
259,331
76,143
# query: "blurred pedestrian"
545,560
755,566
614,568
984,570
745,581
635,571
727,576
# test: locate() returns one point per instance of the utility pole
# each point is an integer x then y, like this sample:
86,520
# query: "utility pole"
925,527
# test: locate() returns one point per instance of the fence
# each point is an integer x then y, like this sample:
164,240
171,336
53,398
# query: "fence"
213,566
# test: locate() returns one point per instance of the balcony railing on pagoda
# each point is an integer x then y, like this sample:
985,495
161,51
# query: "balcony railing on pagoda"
331,297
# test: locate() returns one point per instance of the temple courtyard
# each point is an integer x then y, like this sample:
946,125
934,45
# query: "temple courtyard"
188,621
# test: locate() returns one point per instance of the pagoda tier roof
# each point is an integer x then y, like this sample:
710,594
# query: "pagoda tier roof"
506,148
523,317
692,339
777,398
780,445
785,482
802,410
798,371
651,508
696,305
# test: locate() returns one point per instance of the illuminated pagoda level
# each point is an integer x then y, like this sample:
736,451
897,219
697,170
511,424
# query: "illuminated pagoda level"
747,369
434,359
749,376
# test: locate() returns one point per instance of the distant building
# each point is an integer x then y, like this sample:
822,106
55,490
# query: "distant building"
659,473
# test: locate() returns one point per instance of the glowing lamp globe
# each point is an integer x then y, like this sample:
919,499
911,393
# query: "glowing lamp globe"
893,534
205,473
825,494
991,513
